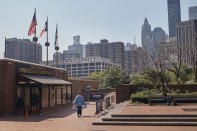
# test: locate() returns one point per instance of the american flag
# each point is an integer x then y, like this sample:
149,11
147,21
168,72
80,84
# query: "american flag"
32,28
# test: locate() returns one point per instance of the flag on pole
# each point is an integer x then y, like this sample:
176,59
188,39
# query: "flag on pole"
45,29
32,28
56,38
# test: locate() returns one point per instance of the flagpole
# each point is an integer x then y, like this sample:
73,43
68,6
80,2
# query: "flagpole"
35,39
57,58
56,46
47,43
5,47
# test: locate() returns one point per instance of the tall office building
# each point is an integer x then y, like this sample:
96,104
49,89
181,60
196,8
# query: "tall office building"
77,47
187,41
24,50
158,35
146,36
174,16
168,52
193,13
113,51
76,40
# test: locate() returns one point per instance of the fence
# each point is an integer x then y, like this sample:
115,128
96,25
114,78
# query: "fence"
106,102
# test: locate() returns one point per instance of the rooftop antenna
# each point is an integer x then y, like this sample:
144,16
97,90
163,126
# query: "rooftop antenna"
134,40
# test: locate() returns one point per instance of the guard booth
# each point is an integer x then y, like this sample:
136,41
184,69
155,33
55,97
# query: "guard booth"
37,90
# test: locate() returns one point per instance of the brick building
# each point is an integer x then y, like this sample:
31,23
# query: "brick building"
32,87
35,88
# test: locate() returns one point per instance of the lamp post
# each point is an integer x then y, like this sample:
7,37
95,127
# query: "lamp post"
47,44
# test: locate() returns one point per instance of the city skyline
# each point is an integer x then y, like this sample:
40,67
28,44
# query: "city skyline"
112,20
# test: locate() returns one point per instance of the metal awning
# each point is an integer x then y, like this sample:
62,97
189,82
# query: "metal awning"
47,80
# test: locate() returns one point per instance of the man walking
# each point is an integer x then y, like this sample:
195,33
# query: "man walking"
79,102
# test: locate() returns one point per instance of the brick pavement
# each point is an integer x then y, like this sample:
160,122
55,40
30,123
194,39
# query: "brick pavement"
66,120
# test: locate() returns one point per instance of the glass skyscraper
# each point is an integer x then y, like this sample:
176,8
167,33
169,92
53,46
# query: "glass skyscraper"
193,13
174,16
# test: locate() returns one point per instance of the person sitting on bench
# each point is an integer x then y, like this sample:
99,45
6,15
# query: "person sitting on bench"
166,98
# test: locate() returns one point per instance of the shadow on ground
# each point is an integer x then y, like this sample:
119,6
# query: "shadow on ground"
37,118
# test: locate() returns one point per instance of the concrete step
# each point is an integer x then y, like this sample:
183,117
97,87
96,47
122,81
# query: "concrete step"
154,115
118,123
152,119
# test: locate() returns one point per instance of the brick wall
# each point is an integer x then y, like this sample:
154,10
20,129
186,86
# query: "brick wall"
7,87
8,84
122,93
61,74
78,87
105,91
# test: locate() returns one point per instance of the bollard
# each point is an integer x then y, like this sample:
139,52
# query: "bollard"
26,112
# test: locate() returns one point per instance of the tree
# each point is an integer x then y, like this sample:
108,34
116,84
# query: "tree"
142,77
114,77
149,76
159,69
176,65
109,78
99,76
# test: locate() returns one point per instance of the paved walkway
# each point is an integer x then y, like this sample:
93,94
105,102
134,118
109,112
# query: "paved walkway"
66,120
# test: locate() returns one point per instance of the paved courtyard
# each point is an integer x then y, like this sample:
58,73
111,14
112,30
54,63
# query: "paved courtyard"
66,120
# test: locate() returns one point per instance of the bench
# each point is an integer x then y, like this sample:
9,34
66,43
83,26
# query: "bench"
160,99
173,99
183,99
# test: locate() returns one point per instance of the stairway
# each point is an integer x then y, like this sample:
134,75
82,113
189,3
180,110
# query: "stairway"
150,120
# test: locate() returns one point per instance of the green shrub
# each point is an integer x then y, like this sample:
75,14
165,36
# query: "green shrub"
138,98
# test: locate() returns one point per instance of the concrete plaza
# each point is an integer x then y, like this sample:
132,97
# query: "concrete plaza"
67,120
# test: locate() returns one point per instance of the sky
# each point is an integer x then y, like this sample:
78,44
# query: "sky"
115,20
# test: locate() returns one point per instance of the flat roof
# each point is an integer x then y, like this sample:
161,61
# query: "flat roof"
46,80
23,62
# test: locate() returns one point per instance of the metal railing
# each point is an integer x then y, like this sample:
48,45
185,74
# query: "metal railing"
99,106
103,104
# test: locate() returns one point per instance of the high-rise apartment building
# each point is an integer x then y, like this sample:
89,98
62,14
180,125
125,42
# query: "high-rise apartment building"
130,58
23,49
60,56
174,16
193,13
116,53
97,49
187,41
113,51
